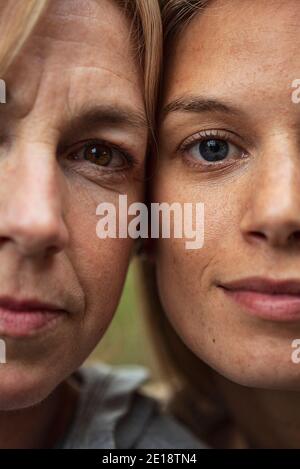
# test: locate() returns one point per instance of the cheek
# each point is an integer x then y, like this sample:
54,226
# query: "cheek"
186,278
190,272
100,264
102,277
183,284
190,302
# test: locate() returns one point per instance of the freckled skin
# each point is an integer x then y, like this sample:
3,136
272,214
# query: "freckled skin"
245,53
80,54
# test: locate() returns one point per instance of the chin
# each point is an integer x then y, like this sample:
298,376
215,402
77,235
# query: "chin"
21,388
263,371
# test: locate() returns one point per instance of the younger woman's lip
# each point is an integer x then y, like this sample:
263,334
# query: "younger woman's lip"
265,285
266,298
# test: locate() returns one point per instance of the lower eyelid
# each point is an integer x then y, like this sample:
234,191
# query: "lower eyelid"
214,168
98,175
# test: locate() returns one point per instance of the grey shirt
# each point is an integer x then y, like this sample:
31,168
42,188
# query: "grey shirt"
113,413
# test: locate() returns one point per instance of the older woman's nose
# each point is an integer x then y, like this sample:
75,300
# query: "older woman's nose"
31,212
272,203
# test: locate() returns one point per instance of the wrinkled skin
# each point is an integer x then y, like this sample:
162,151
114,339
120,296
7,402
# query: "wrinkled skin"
80,57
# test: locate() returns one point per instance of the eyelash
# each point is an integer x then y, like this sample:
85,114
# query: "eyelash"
199,137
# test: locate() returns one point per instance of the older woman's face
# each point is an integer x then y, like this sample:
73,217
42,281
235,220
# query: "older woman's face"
229,138
73,135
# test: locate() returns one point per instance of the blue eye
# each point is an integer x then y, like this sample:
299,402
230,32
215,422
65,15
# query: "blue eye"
213,149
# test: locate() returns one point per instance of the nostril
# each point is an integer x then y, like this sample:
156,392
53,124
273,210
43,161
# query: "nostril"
295,236
52,250
276,236
258,235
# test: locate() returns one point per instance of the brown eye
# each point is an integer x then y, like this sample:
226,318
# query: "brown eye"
102,155
99,154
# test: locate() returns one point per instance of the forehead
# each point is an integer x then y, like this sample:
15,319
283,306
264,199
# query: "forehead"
232,43
82,51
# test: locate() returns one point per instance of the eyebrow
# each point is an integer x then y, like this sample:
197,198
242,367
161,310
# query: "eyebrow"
90,117
198,104
107,115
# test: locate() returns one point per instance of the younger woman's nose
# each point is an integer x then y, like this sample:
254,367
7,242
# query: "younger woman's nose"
31,211
272,213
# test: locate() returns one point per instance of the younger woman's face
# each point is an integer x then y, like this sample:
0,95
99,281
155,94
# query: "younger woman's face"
73,135
230,138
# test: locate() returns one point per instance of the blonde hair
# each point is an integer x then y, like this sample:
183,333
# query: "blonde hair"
19,18
192,381
147,29
17,21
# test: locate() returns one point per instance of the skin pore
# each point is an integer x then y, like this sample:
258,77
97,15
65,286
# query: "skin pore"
73,134
229,78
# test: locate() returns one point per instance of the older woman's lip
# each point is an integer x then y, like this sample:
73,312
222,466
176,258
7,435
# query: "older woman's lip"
25,323
22,318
